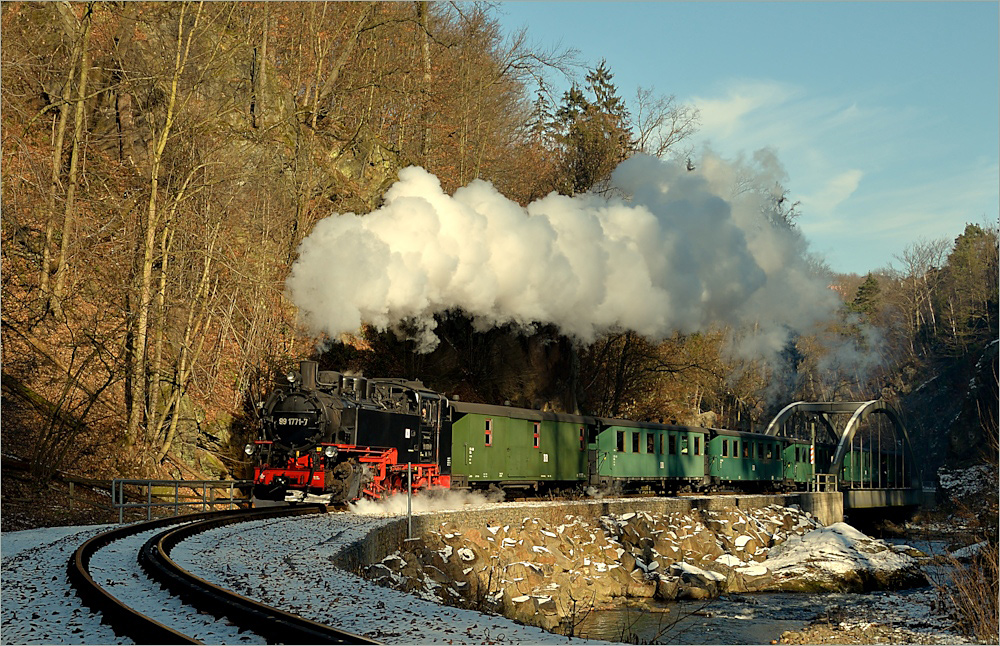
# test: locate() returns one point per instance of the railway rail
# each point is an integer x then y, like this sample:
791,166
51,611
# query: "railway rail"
243,614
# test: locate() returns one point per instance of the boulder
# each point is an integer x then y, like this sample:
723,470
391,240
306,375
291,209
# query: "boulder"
666,588
839,558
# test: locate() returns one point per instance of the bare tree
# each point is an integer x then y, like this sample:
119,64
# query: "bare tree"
921,274
660,123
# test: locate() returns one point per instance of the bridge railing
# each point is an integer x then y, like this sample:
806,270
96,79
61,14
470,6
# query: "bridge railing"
167,494
824,482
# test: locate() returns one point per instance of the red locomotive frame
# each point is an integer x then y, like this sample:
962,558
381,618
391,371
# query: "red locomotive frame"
389,476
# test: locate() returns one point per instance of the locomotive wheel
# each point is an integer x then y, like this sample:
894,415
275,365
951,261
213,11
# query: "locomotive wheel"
344,481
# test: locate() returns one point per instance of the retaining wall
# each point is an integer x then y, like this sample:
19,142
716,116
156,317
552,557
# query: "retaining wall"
383,541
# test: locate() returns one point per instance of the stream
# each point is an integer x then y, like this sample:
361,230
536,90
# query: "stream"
762,617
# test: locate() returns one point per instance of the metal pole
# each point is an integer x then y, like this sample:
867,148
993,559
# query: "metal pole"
176,497
812,452
120,499
853,458
902,462
149,501
409,500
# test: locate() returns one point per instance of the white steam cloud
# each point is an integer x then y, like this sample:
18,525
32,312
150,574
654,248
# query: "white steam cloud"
425,501
680,252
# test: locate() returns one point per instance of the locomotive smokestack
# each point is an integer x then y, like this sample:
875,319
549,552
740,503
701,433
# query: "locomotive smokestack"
308,371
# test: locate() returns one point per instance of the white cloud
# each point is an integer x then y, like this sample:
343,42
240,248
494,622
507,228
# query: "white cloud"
872,175
725,117
829,196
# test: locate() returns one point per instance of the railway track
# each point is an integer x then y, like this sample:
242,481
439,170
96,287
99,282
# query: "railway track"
145,596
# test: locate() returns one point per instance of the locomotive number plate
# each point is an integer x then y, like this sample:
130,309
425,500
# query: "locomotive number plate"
293,421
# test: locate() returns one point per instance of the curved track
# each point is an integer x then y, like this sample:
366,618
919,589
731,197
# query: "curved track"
240,613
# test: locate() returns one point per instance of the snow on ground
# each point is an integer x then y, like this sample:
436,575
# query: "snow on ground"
116,569
912,614
37,605
968,483
283,562
297,553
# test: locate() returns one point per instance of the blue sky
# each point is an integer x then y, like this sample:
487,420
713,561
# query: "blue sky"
884,115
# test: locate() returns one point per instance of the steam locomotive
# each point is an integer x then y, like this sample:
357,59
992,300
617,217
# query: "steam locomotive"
330,437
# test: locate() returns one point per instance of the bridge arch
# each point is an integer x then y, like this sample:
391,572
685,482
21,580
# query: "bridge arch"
859,412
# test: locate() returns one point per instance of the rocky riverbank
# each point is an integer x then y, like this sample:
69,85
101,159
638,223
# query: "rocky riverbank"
547,575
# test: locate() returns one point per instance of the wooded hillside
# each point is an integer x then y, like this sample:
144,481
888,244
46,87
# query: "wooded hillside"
163,161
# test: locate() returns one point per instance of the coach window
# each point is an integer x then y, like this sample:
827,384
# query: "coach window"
725,448
697,445
650,439
673,444
537,433
620,441
661,442
635,441
746,449
489,432
583,445
684,445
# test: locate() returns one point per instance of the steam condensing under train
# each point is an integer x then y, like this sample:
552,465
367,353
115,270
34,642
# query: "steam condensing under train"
327,437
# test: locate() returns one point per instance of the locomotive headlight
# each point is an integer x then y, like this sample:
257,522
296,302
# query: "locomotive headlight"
330,451
248,449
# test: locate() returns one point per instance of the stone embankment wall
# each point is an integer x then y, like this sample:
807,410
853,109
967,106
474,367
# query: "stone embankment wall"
545,564
827,507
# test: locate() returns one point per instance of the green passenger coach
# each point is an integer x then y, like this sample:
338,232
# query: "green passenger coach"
665,456
738,457
517,447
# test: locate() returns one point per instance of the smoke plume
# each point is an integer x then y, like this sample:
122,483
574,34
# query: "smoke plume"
675,250
425,501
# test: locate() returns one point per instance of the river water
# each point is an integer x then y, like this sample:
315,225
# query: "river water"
762,617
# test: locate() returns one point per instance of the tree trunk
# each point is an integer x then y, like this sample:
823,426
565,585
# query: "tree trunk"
194,329
425,89
156,366
137,409
57,145
74,160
